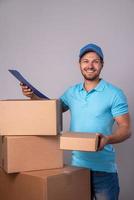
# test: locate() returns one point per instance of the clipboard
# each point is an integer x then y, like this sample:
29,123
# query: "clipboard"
19,76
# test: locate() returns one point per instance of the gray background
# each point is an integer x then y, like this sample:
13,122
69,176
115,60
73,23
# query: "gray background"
42,38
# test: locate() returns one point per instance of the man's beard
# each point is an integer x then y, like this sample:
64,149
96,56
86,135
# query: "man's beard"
95,77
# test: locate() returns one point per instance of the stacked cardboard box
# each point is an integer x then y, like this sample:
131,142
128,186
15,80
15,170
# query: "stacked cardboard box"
26,117
28,135
67,183
25,153
29,141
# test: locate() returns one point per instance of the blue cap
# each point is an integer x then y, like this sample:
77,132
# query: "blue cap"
91,47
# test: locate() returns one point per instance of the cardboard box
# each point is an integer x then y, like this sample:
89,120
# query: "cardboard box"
68,183
26,153
79,141
30,117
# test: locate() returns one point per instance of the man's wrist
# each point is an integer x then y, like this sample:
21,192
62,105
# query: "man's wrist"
35,97
107,137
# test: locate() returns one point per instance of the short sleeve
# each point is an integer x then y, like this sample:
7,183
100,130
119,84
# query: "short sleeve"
119,104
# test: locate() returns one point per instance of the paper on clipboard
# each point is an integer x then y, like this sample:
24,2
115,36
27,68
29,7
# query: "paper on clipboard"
18,75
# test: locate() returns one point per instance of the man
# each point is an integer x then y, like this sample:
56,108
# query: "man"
94,106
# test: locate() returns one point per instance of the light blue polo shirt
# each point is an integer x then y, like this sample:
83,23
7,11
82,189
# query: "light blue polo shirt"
94,111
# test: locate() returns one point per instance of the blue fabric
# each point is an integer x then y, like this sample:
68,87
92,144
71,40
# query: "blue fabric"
104,186
94,111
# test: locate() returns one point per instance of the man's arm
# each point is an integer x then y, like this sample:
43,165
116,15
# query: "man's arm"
123,130
121,133
29,93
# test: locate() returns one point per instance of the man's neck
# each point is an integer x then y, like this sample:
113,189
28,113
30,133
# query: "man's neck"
89,85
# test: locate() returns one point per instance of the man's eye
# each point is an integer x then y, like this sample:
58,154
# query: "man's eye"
96,61
85,61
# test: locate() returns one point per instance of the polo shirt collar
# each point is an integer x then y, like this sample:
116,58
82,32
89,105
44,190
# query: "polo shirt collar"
100,86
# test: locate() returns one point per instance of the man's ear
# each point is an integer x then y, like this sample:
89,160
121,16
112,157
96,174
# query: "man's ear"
102,64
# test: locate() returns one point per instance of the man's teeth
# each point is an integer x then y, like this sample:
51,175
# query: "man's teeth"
90,70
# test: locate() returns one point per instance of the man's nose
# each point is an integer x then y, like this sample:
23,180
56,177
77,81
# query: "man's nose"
90,65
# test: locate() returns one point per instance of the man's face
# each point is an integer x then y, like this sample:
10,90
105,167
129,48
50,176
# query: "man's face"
91,66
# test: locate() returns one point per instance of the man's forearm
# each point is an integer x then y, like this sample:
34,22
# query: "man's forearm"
120,134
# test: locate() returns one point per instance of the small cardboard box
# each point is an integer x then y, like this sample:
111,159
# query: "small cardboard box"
26,153
79,141
68,183
30,117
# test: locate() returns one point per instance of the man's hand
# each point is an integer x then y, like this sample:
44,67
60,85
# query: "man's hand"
103,140
28,92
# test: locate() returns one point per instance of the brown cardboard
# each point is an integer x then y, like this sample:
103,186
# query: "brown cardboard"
68,183
25,153
1,156
79,141
30,117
